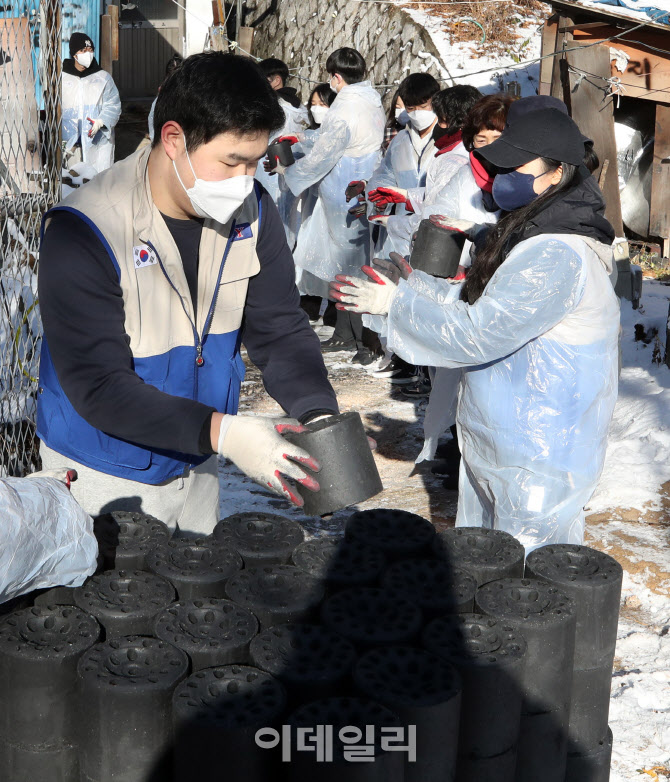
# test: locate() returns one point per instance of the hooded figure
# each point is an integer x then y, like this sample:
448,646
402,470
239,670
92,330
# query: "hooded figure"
91,106
536,333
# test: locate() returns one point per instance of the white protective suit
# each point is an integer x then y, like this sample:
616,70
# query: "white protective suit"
439,173
404,165
91,97
345,148
539,354
297,121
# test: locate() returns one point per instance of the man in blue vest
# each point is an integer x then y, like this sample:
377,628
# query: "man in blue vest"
151,278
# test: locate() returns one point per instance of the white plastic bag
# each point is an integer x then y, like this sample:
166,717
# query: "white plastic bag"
46,539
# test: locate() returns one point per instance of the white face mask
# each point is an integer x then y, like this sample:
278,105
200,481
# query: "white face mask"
333,87
319,113
84,58
401,117
421,119
218,200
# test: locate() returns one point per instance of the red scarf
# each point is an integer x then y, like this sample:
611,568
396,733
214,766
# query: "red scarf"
447,143
482,177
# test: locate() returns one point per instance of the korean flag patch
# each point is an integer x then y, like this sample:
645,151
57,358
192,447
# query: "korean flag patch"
143,256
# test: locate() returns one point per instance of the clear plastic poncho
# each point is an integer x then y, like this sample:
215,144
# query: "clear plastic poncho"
539,354
461,196
404,165
93,97
345,148
297,121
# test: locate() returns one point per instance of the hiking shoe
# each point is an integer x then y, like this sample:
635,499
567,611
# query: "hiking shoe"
420,389
335,345
394,367
365,357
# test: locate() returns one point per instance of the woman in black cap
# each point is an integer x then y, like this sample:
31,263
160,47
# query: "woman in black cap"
536,330
91,107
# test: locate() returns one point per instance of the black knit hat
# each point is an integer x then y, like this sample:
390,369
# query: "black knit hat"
79,41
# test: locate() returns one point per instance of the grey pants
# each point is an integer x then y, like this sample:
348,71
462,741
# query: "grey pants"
189,501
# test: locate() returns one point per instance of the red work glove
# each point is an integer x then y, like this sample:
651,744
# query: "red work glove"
354,189
452,223
292,139
385,196
396,268
361,207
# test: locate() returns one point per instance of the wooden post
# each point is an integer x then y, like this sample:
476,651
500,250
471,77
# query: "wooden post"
113,13
106,43
246,40
659,217
563,40
592,110
238,19
549,33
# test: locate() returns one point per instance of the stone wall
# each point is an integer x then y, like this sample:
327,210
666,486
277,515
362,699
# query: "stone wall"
304,32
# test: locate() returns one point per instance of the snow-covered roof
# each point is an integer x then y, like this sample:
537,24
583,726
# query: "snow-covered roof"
657,14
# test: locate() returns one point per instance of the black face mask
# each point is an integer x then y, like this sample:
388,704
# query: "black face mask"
438,132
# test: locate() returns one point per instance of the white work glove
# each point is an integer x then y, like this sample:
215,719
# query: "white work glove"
396,267
452,222
257,447
362,296
64,475
379,219
96,126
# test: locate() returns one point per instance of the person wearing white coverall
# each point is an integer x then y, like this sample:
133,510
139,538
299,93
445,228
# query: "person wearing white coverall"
468,195
403,169
346,148
451,107
535,329
91,107
297,121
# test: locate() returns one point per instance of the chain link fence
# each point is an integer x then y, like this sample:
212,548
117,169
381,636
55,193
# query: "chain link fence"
30,153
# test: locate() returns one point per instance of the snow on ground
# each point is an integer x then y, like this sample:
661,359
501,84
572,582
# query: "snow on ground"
640,702
464,64
630,515
637,455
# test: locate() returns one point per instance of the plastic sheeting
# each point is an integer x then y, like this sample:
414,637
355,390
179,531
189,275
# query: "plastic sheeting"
539,354
658,12
346,147
297,121
93,97
404,165
46,539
